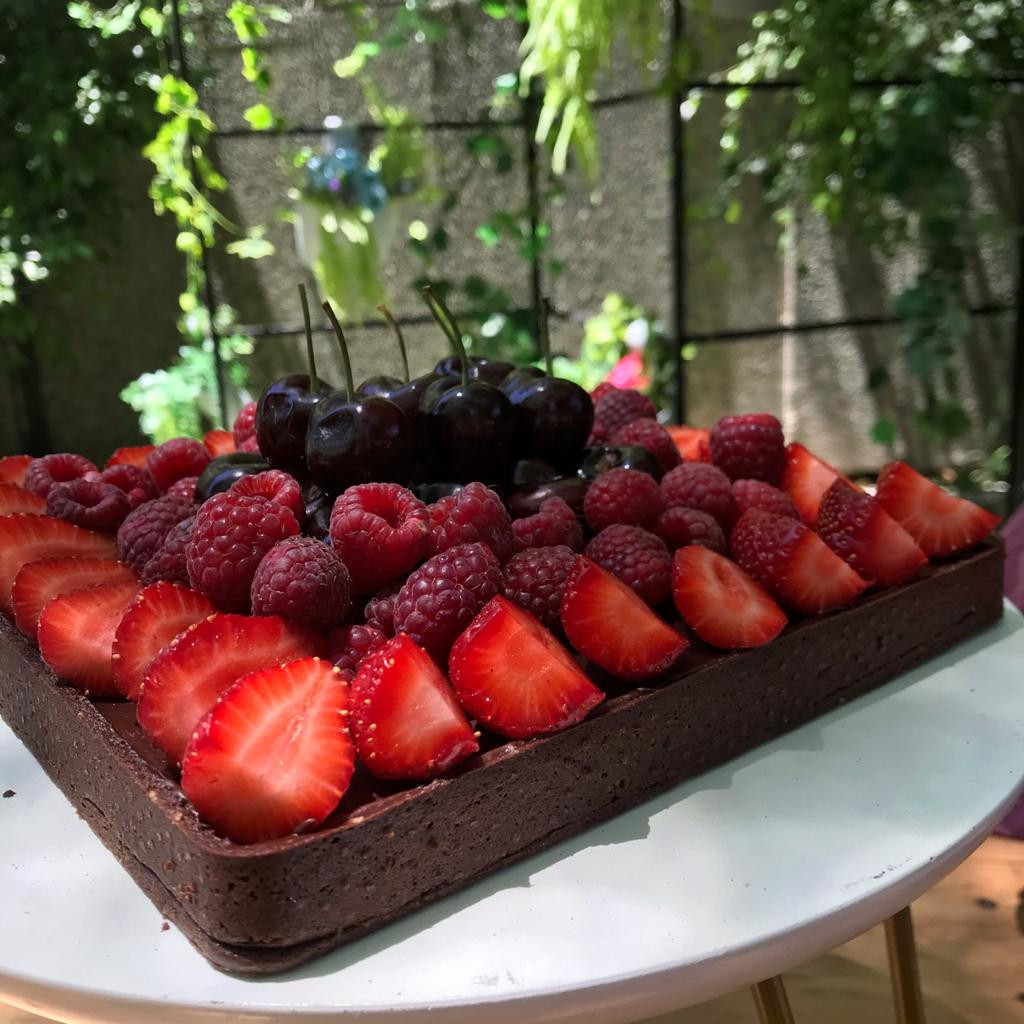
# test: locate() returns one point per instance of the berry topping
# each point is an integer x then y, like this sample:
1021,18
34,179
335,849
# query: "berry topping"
90,504
405,719
274,485
692,443
219,442
703,487
347,646
650,434
552,525
168,561
143,533
623,496
602,389
636,557
134,456
749,447
244,428
679,526
16,499
291,715
607,623
135,482
13,467
758,494
805,479
474,514
42,474
379,611
184,488
535,580
182,456
619,407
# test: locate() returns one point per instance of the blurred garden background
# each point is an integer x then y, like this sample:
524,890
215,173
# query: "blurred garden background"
817,204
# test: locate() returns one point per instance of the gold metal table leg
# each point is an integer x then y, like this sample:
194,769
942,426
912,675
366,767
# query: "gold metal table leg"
771,1002
906,982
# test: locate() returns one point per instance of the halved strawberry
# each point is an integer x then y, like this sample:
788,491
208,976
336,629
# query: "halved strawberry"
158,614
219,442
12,468
14,498
605,621
405,719
38,583
793,563
135,456
720,602
693,443
940,522
274,754
806,478
514,677
856,527
26,538
76,632
184,681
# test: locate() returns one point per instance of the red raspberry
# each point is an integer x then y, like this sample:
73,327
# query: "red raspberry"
473,514
650,434
274,485
758,494
440,599
703,487
135,482
535,580
617,408
637,557
379,611
250,444
143,533
184,456
244,426
602,389
168,562
89,503
749,447
622,496
380,531
184,488
348,645
42,474
554,524
303,580
598,435
680,526
231,535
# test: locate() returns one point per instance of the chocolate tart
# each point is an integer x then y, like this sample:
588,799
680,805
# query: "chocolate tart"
388,850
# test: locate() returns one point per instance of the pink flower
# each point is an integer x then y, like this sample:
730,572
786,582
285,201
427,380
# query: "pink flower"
628,372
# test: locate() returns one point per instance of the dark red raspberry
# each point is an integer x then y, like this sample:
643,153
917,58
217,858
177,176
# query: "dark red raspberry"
379,611
381,531
135,482
602,389
143,533
622,496
637,557
184,488
274,485
183,456
303,580
619,407
41,474
244,426
703,487
231,535
749,447
168,562
440,599
758,494
89,503
650,434
554,524
348,645
535,580
680,526
598,435
250,444
473,514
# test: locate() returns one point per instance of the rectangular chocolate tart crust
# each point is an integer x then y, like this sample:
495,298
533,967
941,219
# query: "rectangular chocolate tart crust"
387,851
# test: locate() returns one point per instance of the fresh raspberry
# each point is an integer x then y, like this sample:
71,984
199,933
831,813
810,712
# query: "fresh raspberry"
602,389
617,408
231,535
183,456
440,599
348,645
554,524
42,474
184,488
91,504
622,496
168,562
303,580
244,426
143,533
381,531
135,482
379,611
535,580
758,494
637,557
598,435
680,526
749,447
650,434
250,444
703,487
274,485
473,514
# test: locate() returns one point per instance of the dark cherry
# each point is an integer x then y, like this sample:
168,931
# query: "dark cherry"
493,371
530,473
571,489
318,512
600,459
429,493
382,384
221,472
555,417
407,395
521,378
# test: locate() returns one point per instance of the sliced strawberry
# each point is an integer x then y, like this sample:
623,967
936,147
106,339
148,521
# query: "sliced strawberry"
184,681
856,527
514,677
273,755
158,614
720,602
219,442
688,441
130,456
27,538
405,719
940,522
76,632
12,468
806,478
38,583
793,563
14,498
605,621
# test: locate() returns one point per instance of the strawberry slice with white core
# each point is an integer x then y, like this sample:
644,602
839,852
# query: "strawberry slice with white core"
406,721
273,756
14,498
607,623
805,479
38,583
159,613
721,603
12,468
133,456
515,678
26,538
940,522
184,681
76,632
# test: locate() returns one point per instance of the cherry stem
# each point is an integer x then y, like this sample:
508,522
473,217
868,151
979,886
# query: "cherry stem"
340,335
545,337
443,316
386,313
313,383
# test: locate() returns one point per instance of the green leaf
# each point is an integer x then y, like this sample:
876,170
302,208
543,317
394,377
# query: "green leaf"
260,117
883,432
250,248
